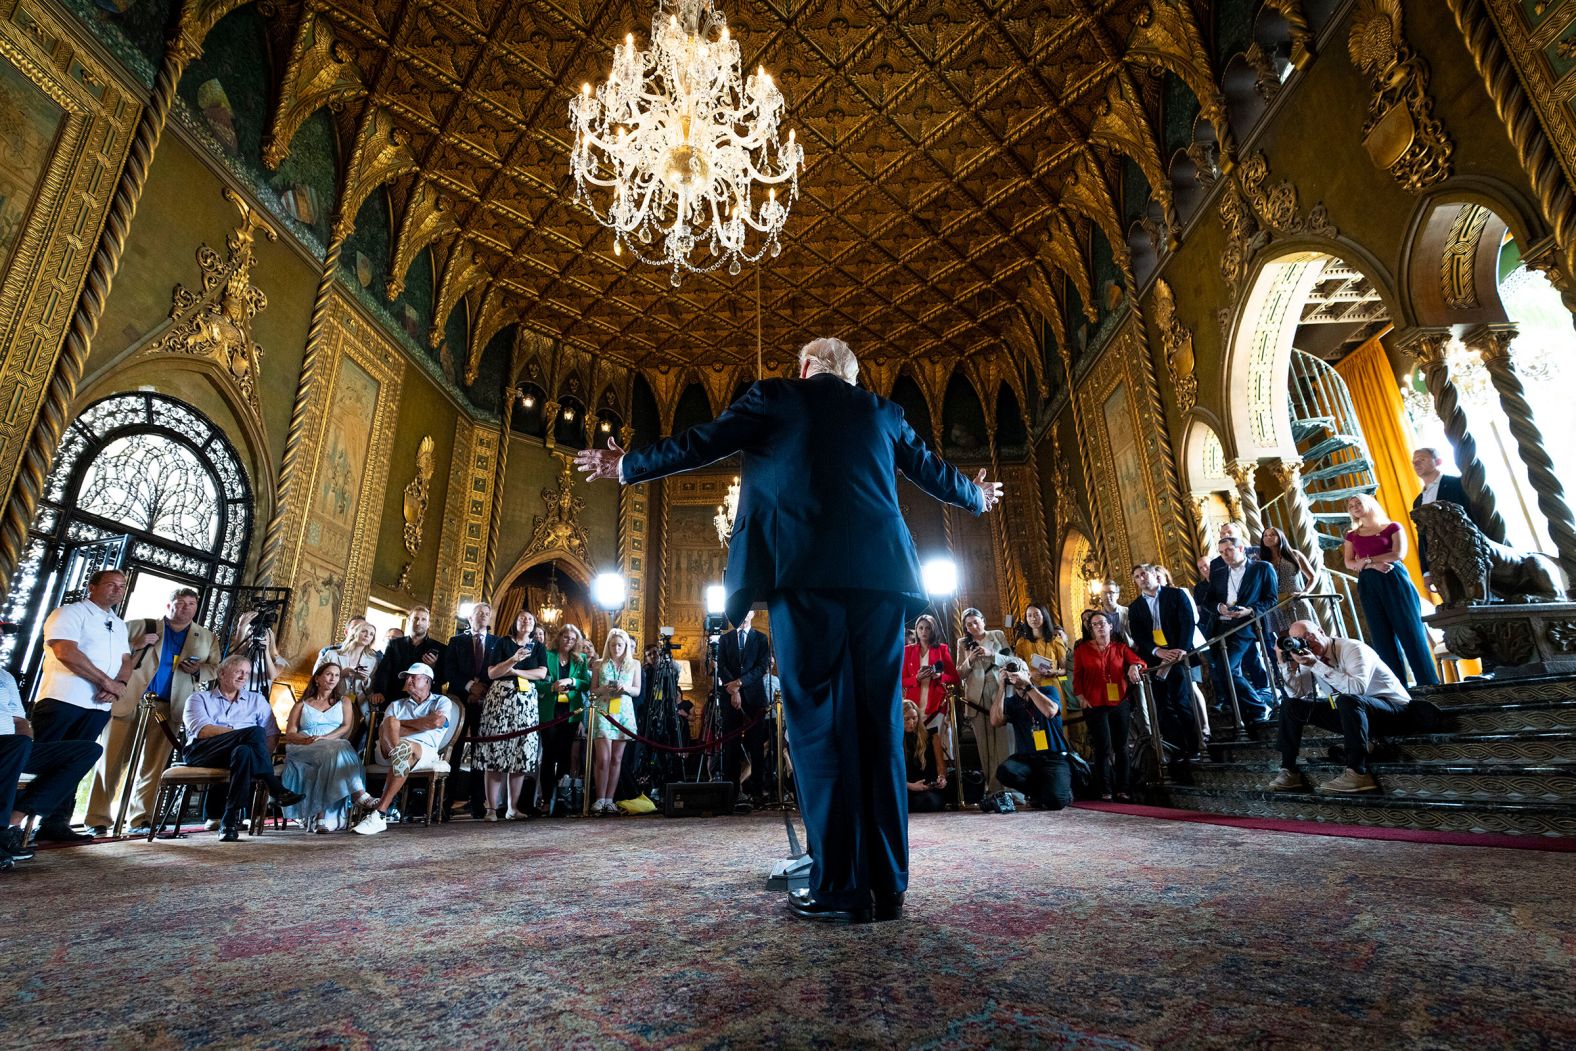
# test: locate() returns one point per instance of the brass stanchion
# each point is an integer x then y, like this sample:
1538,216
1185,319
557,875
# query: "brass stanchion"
951,694
139,739
782,737
587,722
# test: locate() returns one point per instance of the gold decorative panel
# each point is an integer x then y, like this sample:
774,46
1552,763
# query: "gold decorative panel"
66,125
336,514
446,588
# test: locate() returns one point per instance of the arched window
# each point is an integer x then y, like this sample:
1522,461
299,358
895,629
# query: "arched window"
157,472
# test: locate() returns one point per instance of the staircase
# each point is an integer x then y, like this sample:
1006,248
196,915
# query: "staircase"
1505,763
1335,464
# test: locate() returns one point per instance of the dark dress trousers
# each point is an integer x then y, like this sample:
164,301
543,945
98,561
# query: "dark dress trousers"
1173,694
820,538
461,664
1258,591
749,667
1450,491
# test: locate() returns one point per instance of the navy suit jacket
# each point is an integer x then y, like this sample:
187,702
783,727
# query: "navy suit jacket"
1258,592
1451,491
818,503
749,667
1176,620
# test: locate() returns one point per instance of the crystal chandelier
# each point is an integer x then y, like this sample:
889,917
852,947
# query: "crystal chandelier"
676,145
727,511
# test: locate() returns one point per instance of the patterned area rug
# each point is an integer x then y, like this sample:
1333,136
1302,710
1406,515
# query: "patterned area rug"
1079,929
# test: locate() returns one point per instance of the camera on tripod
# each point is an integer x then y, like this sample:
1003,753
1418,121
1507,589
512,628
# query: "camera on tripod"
265,614
665,643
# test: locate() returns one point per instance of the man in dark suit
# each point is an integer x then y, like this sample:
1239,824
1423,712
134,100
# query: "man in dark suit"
1239,588
464,674
743,655
1162,623
1437,486
820,537
412,646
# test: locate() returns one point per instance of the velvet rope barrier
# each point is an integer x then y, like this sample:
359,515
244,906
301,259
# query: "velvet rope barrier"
648,742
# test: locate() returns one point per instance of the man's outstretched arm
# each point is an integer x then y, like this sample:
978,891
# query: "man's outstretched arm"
940,479
705,443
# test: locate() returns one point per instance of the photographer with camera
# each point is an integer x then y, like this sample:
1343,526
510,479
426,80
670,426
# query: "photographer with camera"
976,662
1338,684
1040,765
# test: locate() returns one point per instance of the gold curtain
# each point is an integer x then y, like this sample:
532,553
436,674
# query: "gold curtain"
1377,399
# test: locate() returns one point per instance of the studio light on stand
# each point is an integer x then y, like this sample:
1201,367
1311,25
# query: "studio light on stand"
610,592
940,579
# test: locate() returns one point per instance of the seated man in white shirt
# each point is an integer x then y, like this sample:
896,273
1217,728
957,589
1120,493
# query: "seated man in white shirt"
1337,684
408,739
232,727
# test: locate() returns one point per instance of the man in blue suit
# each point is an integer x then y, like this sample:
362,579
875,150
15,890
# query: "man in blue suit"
819,538
1240,588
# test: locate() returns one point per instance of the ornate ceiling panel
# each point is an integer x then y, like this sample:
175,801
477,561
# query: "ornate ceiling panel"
939,135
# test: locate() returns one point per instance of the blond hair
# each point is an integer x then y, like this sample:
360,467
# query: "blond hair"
607,645
921,735
831,356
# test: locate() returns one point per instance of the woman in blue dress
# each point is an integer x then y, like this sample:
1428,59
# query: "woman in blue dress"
320,761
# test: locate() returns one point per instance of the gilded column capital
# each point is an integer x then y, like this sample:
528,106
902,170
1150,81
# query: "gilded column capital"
1492,341
1242,472
1287,474
626,435
1425,345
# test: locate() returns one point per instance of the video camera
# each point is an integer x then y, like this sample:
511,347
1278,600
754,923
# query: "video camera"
665,643
265,614
1291,645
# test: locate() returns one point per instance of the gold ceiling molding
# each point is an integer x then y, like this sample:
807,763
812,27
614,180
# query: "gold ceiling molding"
719,378
216,323
938,144
1087,193
381,154
1121,125
1176,340
496,311
1298,28
320,72
196,19
464,270
1401,133
1167,35
877,375
1062,251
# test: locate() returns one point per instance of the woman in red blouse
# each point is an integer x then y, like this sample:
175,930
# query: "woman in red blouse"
922,683
1102,670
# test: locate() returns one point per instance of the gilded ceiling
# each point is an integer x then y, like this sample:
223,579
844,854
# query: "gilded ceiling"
953,146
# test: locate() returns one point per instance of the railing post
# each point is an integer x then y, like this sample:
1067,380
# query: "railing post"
1146,696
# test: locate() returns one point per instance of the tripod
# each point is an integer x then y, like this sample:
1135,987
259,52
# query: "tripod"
662,711
714,704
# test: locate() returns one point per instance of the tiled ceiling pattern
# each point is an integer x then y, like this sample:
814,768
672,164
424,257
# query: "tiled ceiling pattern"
936,133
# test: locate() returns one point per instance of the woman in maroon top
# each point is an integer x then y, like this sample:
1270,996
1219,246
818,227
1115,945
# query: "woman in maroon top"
1102,670
920,677
1374,550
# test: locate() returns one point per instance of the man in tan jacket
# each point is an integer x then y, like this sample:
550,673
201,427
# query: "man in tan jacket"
171,657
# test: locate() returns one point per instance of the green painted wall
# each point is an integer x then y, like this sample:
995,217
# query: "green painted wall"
422,411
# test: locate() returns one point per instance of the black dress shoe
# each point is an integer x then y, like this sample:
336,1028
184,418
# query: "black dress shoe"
289,798
14,844
231,834
888,906
60,834
804,905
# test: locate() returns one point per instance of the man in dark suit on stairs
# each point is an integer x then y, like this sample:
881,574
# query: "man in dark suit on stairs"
1239,588
1437,485
1162,623
821,539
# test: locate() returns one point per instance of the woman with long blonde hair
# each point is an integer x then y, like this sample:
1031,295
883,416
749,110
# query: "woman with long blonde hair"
1374,550
919,759
614,689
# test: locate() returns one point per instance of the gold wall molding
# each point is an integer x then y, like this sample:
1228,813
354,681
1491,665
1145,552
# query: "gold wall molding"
446,585
1458,264
634,539
67,246
216,323
1400,133
320,71
333,519
559,528
1176,341
1542,129
1252,213
417,495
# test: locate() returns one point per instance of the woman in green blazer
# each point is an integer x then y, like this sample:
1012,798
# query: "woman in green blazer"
563,692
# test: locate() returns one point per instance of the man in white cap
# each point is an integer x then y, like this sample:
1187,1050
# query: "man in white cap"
408,739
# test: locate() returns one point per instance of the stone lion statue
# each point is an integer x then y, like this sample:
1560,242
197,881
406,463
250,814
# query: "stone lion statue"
1468,568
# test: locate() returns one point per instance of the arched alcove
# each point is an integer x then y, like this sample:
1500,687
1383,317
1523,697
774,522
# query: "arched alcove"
1072,581
963,432
693,408
909,398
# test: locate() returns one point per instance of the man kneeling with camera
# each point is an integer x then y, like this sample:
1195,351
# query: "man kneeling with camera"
1337,684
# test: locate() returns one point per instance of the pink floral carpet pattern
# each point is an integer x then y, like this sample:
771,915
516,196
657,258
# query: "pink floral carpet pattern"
1080,929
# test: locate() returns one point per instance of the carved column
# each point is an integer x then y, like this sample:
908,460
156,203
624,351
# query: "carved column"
495,517
1493,343
1201,537
21,504
1427,347
1241,472
1299,513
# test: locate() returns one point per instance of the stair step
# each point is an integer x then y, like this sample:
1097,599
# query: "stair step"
1483,783
1300,429
1537,819
1341,495
1335,518
1330,543
1490,691
1334,443
1338,470
1528,748
1513,718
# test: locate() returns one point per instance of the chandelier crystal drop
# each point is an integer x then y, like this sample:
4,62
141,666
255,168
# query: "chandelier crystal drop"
673,150
727,512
